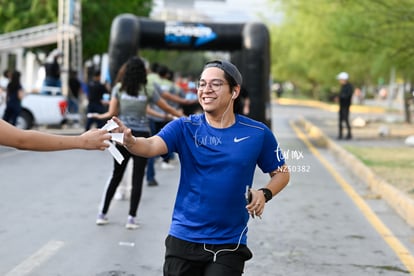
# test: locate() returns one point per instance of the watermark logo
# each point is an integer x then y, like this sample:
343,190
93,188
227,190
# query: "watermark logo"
288,154
294,156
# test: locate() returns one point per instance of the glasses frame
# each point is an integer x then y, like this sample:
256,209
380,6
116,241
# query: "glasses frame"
215,85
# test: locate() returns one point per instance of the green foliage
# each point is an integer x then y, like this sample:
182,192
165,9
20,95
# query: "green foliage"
318,39
97,18
20,14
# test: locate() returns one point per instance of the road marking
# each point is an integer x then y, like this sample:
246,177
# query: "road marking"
41,256
400,250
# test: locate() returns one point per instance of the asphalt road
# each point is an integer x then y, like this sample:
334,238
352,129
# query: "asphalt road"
49,202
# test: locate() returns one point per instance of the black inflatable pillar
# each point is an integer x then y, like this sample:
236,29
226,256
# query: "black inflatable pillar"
249,42
256,70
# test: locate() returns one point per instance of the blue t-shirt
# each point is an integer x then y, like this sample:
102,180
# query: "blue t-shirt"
216,166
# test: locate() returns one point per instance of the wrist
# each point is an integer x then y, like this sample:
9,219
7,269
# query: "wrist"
267,193
130,145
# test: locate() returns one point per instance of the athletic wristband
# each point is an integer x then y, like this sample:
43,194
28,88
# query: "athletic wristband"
267,193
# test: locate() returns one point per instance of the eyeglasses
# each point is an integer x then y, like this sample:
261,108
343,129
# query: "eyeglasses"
215,85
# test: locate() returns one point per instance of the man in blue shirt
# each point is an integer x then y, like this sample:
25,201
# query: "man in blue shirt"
219,151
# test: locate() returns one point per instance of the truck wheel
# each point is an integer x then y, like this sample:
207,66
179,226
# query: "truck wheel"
25,120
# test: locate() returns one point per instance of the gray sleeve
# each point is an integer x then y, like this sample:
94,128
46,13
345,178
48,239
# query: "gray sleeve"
158,88
155,96
115,91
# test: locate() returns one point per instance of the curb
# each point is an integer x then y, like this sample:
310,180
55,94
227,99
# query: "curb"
400,202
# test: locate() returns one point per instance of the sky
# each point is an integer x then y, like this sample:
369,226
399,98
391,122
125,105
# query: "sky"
233,11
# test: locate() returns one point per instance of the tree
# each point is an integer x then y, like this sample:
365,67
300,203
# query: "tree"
20,14
319,38
97,18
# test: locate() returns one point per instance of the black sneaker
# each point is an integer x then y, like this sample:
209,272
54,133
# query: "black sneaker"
153,183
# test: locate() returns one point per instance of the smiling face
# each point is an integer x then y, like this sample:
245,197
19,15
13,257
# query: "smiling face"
214,93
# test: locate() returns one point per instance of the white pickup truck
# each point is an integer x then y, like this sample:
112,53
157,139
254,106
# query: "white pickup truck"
39,109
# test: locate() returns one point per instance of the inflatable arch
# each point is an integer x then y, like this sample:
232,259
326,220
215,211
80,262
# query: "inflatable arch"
247,43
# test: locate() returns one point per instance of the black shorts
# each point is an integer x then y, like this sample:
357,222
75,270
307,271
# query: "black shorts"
183,258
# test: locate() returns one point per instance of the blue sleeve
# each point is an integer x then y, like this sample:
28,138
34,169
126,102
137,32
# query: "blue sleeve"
171,133
271,156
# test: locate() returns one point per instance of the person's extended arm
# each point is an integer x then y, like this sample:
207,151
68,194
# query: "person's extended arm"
40,141
279,178
145,147
177,99
112,110
168,108
152,112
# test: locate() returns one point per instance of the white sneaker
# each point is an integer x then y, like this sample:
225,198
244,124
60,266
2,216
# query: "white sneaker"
101,220
120,196
167,166
131,224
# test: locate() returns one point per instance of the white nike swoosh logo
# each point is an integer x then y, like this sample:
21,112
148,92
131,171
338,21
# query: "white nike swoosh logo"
236,140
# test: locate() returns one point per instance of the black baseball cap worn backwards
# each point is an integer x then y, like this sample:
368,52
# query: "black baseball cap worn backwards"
227,67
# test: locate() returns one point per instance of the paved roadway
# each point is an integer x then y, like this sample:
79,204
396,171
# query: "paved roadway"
49,201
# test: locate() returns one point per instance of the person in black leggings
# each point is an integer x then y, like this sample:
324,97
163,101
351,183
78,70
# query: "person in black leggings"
130,101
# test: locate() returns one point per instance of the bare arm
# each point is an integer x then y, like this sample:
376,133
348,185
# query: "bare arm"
278,181
146,147
154,113
177,99
168,108
246,107
40,141
20,94
112,110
